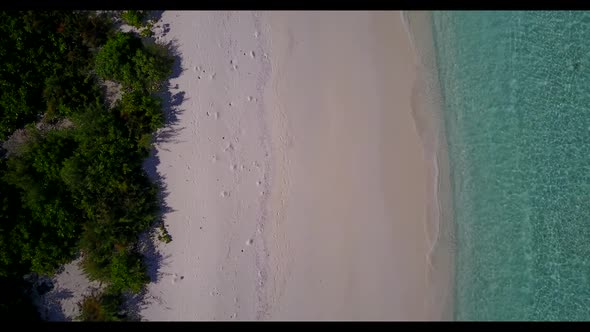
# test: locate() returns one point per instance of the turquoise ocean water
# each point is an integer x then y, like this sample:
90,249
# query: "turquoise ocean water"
516,108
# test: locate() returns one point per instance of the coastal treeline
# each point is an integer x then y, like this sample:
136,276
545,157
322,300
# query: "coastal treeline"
71,176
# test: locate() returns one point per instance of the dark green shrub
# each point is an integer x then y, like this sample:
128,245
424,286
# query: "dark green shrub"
124,59
146,33
133,17
128,272
70,187
103,307
154,64
164,236
48,225
114,61
46,53
95,267
142,112
145,143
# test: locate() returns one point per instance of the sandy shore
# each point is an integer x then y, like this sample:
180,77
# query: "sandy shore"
427,112
308,196
215,171
352,182
301,178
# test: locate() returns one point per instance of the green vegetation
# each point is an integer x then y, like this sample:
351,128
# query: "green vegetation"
125,59
45,59
147,32
164,236
101,307
133,17
137,19
71,177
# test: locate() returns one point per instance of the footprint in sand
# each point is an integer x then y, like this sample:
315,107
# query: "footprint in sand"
214,158
258,183
250,98
233,167
249,242
216,115
233,65
229,147
224,194
256,34
252,55
212,76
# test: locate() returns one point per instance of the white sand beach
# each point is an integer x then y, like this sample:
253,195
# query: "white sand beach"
297,180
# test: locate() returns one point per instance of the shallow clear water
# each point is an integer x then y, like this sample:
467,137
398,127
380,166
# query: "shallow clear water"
516,90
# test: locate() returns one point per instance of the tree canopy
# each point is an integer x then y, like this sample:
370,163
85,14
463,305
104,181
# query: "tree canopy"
74,183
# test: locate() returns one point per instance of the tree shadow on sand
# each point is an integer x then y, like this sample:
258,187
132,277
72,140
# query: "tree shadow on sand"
134,303
172,100
155,15
51,309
